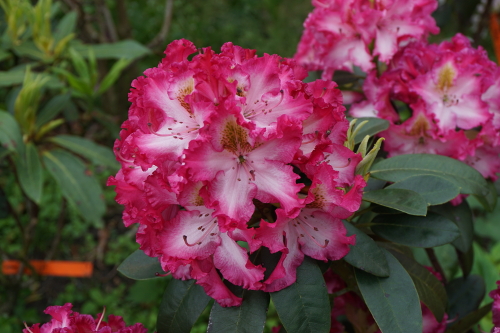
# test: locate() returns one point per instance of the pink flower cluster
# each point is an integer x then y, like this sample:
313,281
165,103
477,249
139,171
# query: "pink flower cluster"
66,321
453,92
211,157
339,34
495,309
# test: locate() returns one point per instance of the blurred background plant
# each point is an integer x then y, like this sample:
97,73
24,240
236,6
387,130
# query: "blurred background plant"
65,70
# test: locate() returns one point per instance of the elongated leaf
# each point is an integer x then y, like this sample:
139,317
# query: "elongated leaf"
77,184
113,75
10,133
400,167
464,295
406,201
304,306
461,215
98,154
182,304
436,190
65,26
418,231
11,78
129,49
30,173
52,109
365,254
393,301
464,324
466,260
374,126
250,317
430,290
490,201
139,266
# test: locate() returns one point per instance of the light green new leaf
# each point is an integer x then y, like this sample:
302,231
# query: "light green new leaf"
77,184
417,231
139,266
98,154
304,306
365,254
182,304
436,190
30,173
430,290
393,301
400,167
407,201
113,75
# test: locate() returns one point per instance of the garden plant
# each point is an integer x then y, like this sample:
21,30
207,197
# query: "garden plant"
349,186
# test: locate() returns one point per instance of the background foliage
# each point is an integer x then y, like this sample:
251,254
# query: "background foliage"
65,70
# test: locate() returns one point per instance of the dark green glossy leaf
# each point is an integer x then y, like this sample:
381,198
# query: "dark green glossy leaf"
182,304
98,154
139,266
30,173
374,126
418,231
430,290
461,215
436,190
129,49
52,109
464,295
304,306
466,260
365,254
489,202
406,201
400,167
10,133
393,301
77,184
250,317
466,323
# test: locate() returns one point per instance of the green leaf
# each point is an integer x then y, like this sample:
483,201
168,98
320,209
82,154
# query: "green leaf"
65,26
113,75
98,154
461,215
77,184
436,190
29,49
393,301
250,317
417,231
10,133
304,306
466,323
489,202
129,49
400,167
52,109
464,295
139,266
365,254
406,201
11,78
466,260
30,173
430,290
182,304
374,126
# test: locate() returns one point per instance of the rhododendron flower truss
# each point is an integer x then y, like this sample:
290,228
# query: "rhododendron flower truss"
450,91
216,155
338,33
68,321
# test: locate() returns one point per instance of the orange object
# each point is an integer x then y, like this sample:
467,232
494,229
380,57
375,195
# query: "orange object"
53,268
495,34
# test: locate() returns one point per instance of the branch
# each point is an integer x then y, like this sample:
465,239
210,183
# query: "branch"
159,39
